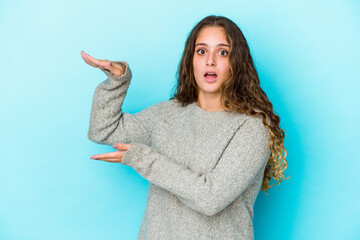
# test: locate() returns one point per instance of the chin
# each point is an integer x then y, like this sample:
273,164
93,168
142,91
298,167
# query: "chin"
210,90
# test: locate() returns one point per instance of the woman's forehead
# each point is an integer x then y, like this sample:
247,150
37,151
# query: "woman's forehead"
212,36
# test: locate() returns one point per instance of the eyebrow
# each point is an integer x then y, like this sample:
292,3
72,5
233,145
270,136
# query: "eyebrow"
220,44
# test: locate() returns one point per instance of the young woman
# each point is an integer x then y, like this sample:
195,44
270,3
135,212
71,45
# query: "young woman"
207,151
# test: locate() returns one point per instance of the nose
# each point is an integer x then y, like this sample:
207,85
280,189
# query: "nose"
210,61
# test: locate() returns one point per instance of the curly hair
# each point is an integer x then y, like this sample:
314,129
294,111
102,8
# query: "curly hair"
240,93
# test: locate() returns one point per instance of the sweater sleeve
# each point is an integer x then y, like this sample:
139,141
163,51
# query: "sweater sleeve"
209,193
108,124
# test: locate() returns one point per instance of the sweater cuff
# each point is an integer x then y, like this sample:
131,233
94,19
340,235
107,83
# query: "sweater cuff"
126,76
136,158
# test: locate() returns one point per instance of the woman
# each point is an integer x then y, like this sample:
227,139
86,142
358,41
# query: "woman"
207,151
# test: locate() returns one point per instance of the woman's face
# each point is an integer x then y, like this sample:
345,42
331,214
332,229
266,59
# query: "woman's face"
211,60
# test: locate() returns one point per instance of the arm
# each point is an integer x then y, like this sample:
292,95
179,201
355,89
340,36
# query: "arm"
108,124
209,193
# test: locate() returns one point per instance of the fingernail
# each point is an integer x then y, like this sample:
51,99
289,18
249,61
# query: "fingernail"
92,157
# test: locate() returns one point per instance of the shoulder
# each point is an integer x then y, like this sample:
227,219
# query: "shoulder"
254,127
167,107
254,121
163,109
166,104
163,106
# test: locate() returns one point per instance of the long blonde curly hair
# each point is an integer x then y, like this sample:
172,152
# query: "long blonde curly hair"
241,93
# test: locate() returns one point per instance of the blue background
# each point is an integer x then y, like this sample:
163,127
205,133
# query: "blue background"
307,55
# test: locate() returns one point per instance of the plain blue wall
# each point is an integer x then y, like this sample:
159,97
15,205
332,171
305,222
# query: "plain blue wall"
307,55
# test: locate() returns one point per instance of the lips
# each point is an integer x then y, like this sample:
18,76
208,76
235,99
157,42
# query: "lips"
210,76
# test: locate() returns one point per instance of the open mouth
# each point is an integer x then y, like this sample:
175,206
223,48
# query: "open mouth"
210,76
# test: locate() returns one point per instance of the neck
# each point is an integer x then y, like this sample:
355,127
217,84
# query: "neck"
210,102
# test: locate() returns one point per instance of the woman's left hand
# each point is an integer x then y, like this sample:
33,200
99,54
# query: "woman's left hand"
113,156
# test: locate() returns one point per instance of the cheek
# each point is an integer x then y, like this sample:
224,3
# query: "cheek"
196,66
225,67
228,69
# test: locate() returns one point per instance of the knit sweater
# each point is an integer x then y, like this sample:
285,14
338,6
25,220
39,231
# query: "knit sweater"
205,169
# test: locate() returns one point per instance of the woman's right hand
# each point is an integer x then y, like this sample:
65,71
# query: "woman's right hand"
116,69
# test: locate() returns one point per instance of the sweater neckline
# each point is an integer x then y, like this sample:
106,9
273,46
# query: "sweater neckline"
204,109
205,113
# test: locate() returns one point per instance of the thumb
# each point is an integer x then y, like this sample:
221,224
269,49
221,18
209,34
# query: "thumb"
121,146
107,64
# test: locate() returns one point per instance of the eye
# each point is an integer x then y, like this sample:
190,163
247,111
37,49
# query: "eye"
200,51
224,53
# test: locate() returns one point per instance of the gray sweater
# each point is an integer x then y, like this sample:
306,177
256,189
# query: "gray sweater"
204,169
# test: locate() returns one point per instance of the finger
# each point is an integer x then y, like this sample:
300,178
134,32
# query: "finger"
82,54
108,155
84,57
95,61
88,60
113,160
121,146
